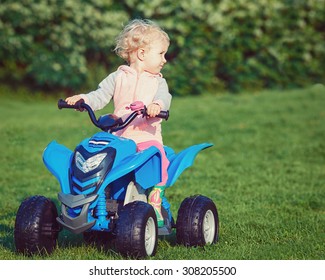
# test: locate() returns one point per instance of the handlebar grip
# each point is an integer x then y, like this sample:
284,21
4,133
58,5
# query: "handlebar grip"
62,104
163,115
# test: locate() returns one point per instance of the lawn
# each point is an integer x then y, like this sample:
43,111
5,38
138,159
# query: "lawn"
265,172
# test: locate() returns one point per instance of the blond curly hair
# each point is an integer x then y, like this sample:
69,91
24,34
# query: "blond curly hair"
136,34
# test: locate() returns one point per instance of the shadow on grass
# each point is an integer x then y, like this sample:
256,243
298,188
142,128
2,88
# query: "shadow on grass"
7,240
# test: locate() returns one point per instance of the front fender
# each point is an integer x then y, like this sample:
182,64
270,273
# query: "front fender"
181,161
56,158
146,165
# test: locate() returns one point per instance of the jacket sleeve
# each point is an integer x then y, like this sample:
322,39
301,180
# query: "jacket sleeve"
100,97
163,97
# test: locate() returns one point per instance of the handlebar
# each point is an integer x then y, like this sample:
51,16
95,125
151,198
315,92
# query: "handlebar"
162,115
79,105
105,122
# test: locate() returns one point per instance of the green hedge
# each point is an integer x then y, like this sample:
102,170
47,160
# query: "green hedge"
216,45
51,42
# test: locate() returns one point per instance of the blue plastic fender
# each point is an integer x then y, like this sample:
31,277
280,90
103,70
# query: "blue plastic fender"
146,165
57,158
181,161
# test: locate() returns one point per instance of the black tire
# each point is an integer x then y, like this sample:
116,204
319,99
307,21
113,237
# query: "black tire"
136,230
36,229
197,222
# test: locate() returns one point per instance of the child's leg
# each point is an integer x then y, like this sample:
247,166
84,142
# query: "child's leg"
164,161
157,193
155,199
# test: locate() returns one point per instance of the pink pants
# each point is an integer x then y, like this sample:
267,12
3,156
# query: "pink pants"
164,161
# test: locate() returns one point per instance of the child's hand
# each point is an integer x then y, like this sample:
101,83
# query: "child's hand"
153,110
72,100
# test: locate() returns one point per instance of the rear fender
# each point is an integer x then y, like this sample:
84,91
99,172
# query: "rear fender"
179,162
57,158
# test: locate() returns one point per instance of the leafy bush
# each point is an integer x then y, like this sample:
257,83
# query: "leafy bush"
273,43
216,45
50,41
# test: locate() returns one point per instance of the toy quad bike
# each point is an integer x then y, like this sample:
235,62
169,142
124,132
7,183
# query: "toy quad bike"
104,188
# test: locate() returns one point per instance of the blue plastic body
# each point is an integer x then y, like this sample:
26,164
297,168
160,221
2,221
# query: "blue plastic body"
126,165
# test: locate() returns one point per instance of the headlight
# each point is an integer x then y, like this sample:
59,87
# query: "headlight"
90,164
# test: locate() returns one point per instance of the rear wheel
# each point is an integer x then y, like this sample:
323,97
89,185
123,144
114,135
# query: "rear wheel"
197,222
136,230
36,229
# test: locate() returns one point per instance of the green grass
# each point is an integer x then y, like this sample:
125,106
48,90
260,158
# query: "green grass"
265,172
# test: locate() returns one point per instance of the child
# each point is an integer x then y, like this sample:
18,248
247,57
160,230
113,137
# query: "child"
143,45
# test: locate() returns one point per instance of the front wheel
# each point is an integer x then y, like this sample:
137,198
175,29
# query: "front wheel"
36,229
197,222
136,230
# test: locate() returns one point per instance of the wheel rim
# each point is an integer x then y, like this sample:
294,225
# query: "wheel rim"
209,227
150,236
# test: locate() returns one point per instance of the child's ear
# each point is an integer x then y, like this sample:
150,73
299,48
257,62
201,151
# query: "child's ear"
141,54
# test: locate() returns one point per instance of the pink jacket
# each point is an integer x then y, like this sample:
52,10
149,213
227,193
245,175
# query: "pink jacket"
126,86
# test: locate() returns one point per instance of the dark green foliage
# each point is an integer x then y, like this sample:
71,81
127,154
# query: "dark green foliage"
215,45
49,42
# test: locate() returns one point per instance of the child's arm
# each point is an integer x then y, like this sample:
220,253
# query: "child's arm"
163,97
161,100
99,98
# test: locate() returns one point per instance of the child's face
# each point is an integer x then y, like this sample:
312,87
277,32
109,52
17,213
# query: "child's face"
155,56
